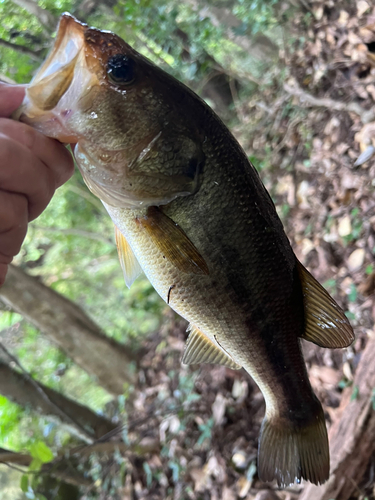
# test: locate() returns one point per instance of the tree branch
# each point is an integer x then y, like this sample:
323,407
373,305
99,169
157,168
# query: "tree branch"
46,18
60,412
71,329
22,49
76,232
351,107
63,469
6,79
27,392
60,470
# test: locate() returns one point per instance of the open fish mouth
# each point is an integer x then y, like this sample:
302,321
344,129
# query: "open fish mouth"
56,74
75,64
51,95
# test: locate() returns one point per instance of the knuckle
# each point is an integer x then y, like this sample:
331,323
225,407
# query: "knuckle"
13,211
6,149
40,200
29,136
19,131
65,166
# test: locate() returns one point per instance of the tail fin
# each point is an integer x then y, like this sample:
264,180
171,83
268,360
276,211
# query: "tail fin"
289,453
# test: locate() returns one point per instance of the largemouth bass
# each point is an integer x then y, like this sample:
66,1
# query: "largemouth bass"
192,213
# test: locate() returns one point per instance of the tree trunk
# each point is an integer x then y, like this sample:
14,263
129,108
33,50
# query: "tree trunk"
70,328
26,392
352,436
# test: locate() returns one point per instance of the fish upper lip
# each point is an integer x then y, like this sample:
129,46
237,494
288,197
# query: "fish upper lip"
69,29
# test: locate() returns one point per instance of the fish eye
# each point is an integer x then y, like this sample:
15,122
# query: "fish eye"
120,69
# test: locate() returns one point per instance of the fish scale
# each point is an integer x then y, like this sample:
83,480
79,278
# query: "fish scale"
192,213
221,307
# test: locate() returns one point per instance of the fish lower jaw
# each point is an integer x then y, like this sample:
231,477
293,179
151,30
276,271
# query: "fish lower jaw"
51,125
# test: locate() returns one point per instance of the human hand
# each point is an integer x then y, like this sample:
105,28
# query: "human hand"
32,167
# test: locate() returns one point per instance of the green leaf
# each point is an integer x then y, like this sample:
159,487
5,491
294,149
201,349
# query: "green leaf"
352,297
39,450
35,465
344,383
175,470
3,400
8,319
330,285
350,315
24,483
148,472
355,393
251,471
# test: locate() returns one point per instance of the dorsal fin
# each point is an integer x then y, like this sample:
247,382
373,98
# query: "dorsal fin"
173,242
128,260
200,349
325,322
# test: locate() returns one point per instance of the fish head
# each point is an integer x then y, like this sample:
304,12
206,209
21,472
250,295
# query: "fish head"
125,116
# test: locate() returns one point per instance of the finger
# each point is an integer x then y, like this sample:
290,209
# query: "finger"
11,96
53,154
13,224
23,173
3,272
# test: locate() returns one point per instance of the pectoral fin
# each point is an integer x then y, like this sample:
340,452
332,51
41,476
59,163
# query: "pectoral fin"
128,260
173,242
200,349
325,322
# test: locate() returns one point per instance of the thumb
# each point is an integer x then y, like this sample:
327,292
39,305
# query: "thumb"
11,96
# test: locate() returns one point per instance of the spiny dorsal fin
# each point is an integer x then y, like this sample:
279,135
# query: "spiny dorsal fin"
200,349
325,322
173,242
128,260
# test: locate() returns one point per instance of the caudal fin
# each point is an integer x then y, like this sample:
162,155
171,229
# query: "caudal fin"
289,453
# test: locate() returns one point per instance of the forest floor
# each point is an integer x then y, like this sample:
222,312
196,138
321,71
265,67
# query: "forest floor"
307,135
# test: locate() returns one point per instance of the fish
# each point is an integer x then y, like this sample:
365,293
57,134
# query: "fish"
191,212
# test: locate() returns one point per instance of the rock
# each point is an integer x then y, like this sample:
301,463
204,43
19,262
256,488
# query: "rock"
266,495
356,259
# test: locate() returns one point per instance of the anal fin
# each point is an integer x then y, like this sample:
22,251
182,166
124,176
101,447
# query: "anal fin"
325,322
200,349
128,260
